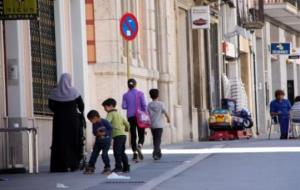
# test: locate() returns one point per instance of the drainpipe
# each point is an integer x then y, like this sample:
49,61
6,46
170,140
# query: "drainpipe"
255,90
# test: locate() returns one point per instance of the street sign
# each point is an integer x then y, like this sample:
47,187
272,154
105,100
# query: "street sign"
281,48
129,26
18,9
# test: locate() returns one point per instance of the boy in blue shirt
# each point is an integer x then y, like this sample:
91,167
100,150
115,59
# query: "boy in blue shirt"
281,107
102,130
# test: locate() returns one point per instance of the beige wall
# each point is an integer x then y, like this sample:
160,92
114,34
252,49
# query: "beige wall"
154,54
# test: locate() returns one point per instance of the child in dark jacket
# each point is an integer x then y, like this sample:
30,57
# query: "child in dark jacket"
119,126
102,130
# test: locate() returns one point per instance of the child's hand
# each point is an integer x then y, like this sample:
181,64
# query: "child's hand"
100,133
168,120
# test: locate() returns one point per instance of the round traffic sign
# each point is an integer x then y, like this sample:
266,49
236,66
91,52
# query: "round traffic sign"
129,26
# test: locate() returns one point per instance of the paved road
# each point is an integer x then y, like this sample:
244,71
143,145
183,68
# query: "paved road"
205,171
259,171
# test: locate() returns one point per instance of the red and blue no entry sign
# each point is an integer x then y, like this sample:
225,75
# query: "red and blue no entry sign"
129,26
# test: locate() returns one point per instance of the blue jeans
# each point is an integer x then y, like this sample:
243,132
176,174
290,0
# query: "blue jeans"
284,126
100,145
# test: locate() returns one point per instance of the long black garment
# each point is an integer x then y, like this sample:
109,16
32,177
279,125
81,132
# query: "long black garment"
66,149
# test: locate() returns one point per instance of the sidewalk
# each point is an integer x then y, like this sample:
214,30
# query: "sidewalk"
144,175
141,173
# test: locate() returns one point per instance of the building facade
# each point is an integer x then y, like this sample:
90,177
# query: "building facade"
33,55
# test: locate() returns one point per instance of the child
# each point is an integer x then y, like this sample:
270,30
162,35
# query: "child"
102,131
119,126
156,111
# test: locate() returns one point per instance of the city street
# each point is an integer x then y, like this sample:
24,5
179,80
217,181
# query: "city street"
199,169
207,80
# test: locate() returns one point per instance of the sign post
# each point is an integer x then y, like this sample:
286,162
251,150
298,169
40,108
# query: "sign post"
129,29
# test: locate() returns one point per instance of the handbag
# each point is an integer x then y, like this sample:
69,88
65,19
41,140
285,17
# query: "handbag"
142,117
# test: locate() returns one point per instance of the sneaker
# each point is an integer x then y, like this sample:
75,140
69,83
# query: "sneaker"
139,150
106,171
89,170
126,169
117,170
135,157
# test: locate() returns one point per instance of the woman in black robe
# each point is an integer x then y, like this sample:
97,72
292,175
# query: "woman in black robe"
67,105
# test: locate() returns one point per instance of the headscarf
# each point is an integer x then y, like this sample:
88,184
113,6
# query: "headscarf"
64,92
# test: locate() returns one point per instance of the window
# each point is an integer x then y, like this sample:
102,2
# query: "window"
43,56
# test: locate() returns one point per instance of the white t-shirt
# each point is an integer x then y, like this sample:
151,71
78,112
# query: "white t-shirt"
156,110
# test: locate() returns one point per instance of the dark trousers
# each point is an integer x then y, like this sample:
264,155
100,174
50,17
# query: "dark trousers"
134,129
157,134
284,127
100,145
119,152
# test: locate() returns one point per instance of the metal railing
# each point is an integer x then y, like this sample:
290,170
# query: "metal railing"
295,3
9,148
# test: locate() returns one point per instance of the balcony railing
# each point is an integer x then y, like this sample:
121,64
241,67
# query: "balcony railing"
295,3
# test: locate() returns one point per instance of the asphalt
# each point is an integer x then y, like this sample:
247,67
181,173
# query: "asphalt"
247,171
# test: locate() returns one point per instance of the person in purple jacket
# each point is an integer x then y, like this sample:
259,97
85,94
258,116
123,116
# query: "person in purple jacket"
132,100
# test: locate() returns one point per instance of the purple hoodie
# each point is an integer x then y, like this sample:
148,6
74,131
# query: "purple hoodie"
129,102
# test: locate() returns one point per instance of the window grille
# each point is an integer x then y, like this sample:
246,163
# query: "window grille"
43,54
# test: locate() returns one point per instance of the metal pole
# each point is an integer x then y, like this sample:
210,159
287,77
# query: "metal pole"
128,47
128,59
30,152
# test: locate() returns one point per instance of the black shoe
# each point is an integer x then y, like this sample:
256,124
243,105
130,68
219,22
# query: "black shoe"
159,155
140,154
89,170
126,169
135,157
155,157
116,170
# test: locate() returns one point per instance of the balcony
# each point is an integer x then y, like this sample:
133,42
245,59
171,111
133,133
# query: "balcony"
284,11
254,19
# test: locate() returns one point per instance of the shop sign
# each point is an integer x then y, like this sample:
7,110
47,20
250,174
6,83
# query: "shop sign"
228,49
295,53
200,17
18,9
